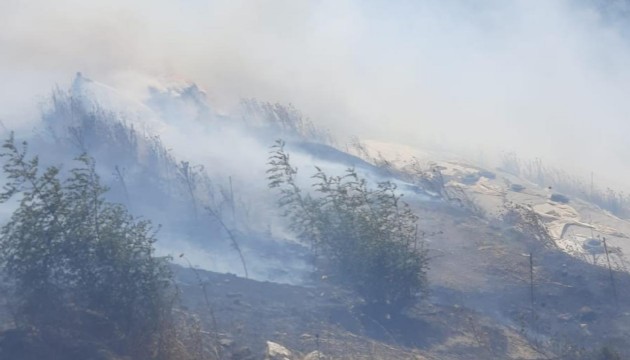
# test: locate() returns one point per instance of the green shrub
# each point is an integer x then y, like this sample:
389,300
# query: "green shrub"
368,236
77,261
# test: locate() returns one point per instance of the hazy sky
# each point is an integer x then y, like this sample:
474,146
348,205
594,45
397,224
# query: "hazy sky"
546,78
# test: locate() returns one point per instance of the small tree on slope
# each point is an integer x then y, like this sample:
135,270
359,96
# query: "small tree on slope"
368,236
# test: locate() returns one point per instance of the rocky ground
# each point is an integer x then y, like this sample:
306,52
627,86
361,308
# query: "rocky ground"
480,305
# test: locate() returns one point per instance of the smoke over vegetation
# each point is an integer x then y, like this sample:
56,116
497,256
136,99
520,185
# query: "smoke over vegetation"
544,79
444,177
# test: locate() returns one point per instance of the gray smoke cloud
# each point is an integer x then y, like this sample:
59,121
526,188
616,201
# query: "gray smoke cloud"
543,78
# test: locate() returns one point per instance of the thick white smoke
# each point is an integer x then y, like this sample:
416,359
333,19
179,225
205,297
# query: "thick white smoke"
543,78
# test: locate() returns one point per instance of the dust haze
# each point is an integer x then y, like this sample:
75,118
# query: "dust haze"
545,79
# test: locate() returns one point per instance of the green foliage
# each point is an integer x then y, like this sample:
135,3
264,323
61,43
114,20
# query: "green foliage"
70,252
368,236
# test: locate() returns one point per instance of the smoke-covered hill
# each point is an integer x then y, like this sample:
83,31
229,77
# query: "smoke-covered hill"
517,269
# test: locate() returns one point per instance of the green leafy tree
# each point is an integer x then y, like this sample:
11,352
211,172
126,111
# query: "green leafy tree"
69,253
368,236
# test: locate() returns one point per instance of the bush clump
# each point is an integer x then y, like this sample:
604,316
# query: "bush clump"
369,237
79,265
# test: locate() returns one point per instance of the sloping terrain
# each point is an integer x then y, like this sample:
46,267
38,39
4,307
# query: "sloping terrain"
480,304
517,271
479,308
